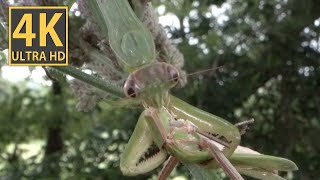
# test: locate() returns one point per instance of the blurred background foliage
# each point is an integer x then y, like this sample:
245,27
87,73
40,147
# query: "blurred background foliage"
267,66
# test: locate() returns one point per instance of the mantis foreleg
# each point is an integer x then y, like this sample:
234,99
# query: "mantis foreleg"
134,160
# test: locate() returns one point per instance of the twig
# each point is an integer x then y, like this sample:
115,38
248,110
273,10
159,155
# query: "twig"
92,80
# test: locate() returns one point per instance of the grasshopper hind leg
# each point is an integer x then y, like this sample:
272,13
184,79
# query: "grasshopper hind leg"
244,126
222,160
168,167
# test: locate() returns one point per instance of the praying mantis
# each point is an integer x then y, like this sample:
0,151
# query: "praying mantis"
169,126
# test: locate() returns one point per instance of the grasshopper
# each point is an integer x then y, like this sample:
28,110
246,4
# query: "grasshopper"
169,126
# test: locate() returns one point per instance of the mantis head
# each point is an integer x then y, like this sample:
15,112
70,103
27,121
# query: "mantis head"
152,83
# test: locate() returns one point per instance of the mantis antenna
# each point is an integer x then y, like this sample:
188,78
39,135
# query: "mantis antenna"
205,70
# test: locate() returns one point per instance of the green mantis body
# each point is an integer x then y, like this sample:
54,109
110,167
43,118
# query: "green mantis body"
168,125
172,127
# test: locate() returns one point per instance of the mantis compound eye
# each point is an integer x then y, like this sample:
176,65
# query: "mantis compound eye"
173,74
130,89
131,93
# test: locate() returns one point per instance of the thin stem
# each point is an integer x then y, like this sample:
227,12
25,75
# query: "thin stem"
3,38
92,80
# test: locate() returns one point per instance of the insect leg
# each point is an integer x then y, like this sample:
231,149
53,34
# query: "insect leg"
141,154
252,163
244,125
270,163
159,123
225,164
168,167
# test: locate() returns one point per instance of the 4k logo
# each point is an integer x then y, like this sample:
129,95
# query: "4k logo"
38,35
